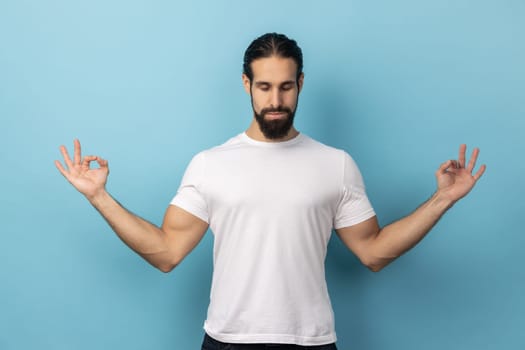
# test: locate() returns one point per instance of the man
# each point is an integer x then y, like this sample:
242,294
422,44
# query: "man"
271,196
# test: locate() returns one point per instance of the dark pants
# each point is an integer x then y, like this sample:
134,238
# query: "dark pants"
211,344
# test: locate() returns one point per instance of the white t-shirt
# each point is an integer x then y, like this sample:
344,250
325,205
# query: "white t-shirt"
272,208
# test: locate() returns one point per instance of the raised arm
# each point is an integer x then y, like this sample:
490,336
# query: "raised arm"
377,247
163,247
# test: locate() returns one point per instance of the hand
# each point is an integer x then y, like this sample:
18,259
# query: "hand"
454,177
87,181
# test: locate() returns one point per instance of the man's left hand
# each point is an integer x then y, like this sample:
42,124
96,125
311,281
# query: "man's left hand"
454,177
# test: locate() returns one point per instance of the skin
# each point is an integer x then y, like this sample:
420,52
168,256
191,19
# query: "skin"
163,247
274,84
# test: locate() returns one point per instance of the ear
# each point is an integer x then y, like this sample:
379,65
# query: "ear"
300,82
246,83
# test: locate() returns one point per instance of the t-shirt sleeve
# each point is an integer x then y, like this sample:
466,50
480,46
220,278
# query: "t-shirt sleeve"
189,195
354,206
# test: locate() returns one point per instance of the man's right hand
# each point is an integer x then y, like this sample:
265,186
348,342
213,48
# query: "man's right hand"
163,247
89,182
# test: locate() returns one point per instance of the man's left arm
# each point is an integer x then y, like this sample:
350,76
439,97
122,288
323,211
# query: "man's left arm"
377,247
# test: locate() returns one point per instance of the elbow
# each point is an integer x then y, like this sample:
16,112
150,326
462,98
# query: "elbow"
166,267
375,260
375,264
164,262
374,267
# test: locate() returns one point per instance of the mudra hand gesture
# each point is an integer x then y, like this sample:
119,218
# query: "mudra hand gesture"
87,181
454,177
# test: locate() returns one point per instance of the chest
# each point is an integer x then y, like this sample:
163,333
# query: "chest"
273,184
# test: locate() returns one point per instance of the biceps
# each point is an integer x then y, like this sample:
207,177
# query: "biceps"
183,230
358,237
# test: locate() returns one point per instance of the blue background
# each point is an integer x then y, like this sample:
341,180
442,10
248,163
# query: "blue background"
147,84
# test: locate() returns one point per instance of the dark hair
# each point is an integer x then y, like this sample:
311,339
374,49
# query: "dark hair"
272,44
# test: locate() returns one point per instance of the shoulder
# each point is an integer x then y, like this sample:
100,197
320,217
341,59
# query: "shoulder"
340,160
219,153
233,143
324,149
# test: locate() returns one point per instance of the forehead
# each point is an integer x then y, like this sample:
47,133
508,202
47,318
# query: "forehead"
274,69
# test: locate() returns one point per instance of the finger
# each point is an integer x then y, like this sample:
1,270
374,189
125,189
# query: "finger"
67,160
480,172
461,157
472,161
102,162
77,154
445,166
87,160
61,169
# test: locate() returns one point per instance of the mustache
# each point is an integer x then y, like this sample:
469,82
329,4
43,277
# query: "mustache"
278,109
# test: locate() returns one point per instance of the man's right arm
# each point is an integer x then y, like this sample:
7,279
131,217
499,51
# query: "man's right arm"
163,247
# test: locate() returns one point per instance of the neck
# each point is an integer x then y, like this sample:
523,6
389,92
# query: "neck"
254,132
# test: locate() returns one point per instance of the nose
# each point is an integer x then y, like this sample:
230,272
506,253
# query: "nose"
276,98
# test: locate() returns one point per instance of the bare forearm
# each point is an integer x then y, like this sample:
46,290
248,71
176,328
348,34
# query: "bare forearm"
377,247
143,237
400,236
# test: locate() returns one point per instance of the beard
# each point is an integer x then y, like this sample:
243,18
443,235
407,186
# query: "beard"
277,128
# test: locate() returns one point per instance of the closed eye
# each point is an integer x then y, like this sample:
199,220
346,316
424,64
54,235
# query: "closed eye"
263,86
287,86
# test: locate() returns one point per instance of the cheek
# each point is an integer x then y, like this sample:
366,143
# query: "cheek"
291,99
257,101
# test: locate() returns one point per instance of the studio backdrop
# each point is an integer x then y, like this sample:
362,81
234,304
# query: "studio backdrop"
148,84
